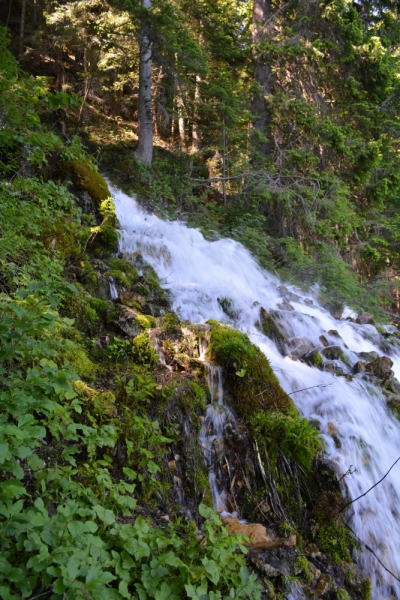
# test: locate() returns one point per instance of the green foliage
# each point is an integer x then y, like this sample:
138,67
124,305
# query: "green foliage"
287,433
256,386
78,548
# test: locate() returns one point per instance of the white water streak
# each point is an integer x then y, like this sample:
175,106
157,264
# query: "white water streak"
198,272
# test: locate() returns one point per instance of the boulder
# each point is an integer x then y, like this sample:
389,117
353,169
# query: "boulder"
334,333
299,346
359,367
285,306
332,367
333,353
270,328
314,359
365,318
380,367
125,319
287,294
368,356
308,301
393,385
258,534
132,299
323,340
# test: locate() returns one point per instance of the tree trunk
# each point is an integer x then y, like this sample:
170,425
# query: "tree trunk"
262,75
22,27
181,120
144,152
196,140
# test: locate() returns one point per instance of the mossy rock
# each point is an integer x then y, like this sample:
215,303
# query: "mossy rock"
122,265
314,359
100,306
272,330
248,375
87,179
120,278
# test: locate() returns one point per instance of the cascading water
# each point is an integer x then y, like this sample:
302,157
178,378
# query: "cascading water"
211,435
366,436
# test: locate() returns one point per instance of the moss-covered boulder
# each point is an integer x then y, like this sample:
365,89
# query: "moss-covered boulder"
248,375
86,178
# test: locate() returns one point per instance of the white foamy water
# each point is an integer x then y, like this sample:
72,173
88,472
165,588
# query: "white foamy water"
197,272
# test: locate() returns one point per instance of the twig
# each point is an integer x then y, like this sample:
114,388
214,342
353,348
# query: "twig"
40,595
368,547
371,488
321,385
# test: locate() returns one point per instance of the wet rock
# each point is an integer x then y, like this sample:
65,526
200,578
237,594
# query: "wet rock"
260,537
285,306
308,301
323,340
334,333
332,429
228,307
293,591
359,367
324,584
393,403
393,385
287,294
333,353
365,318
132,300
368,356
125,319
380,367
333,367
299,346
314,359
269,328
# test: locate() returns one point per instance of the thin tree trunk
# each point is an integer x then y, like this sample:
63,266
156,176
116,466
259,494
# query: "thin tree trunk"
224,159
22,28
262,74
196,140
144,152
181,122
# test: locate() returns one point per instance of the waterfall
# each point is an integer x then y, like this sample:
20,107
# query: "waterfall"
211,435
355,424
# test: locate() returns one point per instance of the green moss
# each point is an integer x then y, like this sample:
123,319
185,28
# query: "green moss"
142,351
361,586
146,321
99,306
342,594
170,323
121,277
107,238
317,360
75,356
248,375
287,433
302,566
120,264
91,278
335,540
88,179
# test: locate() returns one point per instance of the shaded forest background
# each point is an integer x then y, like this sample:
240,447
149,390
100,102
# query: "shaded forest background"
274,123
